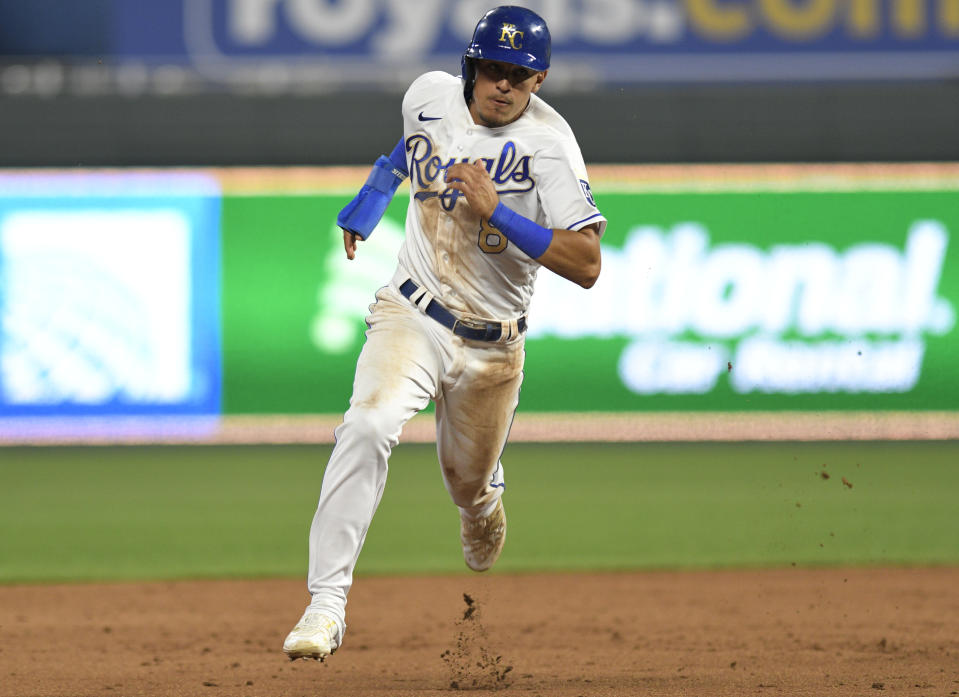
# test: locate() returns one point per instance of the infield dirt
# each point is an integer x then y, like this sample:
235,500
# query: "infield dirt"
832,632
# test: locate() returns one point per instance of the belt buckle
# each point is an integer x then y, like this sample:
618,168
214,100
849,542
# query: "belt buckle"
469,324
489,331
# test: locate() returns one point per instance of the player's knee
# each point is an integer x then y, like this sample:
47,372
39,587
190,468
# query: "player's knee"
376,427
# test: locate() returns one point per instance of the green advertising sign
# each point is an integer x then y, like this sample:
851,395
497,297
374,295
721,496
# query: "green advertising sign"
757,301
710,301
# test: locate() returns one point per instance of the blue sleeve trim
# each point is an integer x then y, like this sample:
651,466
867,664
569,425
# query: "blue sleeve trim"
584,220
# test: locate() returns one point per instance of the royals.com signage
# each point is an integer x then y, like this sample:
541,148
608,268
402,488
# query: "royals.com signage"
300,42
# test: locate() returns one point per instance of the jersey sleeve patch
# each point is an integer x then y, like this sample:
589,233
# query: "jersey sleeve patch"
587,192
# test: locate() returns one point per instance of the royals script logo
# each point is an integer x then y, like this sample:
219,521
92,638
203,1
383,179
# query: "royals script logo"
509,171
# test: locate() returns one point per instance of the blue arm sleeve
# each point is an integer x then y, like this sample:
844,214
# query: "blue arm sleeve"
398,158
361,215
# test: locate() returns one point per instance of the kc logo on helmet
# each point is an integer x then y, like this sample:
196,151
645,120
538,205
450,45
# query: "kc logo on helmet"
510,34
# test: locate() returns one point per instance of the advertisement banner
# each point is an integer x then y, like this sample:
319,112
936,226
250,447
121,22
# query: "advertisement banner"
602,41
109,295
154,295
714,301
768,300
292,325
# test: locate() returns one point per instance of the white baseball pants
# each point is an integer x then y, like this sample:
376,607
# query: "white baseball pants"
408,359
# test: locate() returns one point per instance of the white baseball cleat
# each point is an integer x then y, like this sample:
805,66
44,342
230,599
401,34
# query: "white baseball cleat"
483,539
316,635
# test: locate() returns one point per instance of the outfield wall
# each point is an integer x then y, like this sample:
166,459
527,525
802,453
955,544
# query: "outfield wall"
201,304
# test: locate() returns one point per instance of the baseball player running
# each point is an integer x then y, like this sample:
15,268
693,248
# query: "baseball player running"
498,188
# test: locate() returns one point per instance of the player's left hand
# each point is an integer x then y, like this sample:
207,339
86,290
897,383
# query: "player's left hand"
349,244
473,181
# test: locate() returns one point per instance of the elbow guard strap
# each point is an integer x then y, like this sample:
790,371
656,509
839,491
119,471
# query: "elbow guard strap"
529,236
361,215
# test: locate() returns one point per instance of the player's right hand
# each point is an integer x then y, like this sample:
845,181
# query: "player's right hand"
349,244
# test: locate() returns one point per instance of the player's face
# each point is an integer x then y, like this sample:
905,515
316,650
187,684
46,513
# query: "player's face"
502,91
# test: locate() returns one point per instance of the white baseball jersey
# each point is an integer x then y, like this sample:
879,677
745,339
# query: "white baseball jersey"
538,171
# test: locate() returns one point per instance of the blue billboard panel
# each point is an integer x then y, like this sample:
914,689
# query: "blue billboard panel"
368,41
297,44
109,295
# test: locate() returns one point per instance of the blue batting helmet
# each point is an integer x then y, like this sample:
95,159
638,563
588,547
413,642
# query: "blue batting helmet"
509,34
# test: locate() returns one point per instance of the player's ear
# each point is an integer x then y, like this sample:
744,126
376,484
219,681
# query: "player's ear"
539,80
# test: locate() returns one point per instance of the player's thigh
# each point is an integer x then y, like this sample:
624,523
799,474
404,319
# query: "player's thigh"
400,365
475,412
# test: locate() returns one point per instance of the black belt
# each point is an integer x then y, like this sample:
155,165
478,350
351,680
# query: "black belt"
477,331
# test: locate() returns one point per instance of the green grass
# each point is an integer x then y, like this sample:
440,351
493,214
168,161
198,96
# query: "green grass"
115,513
